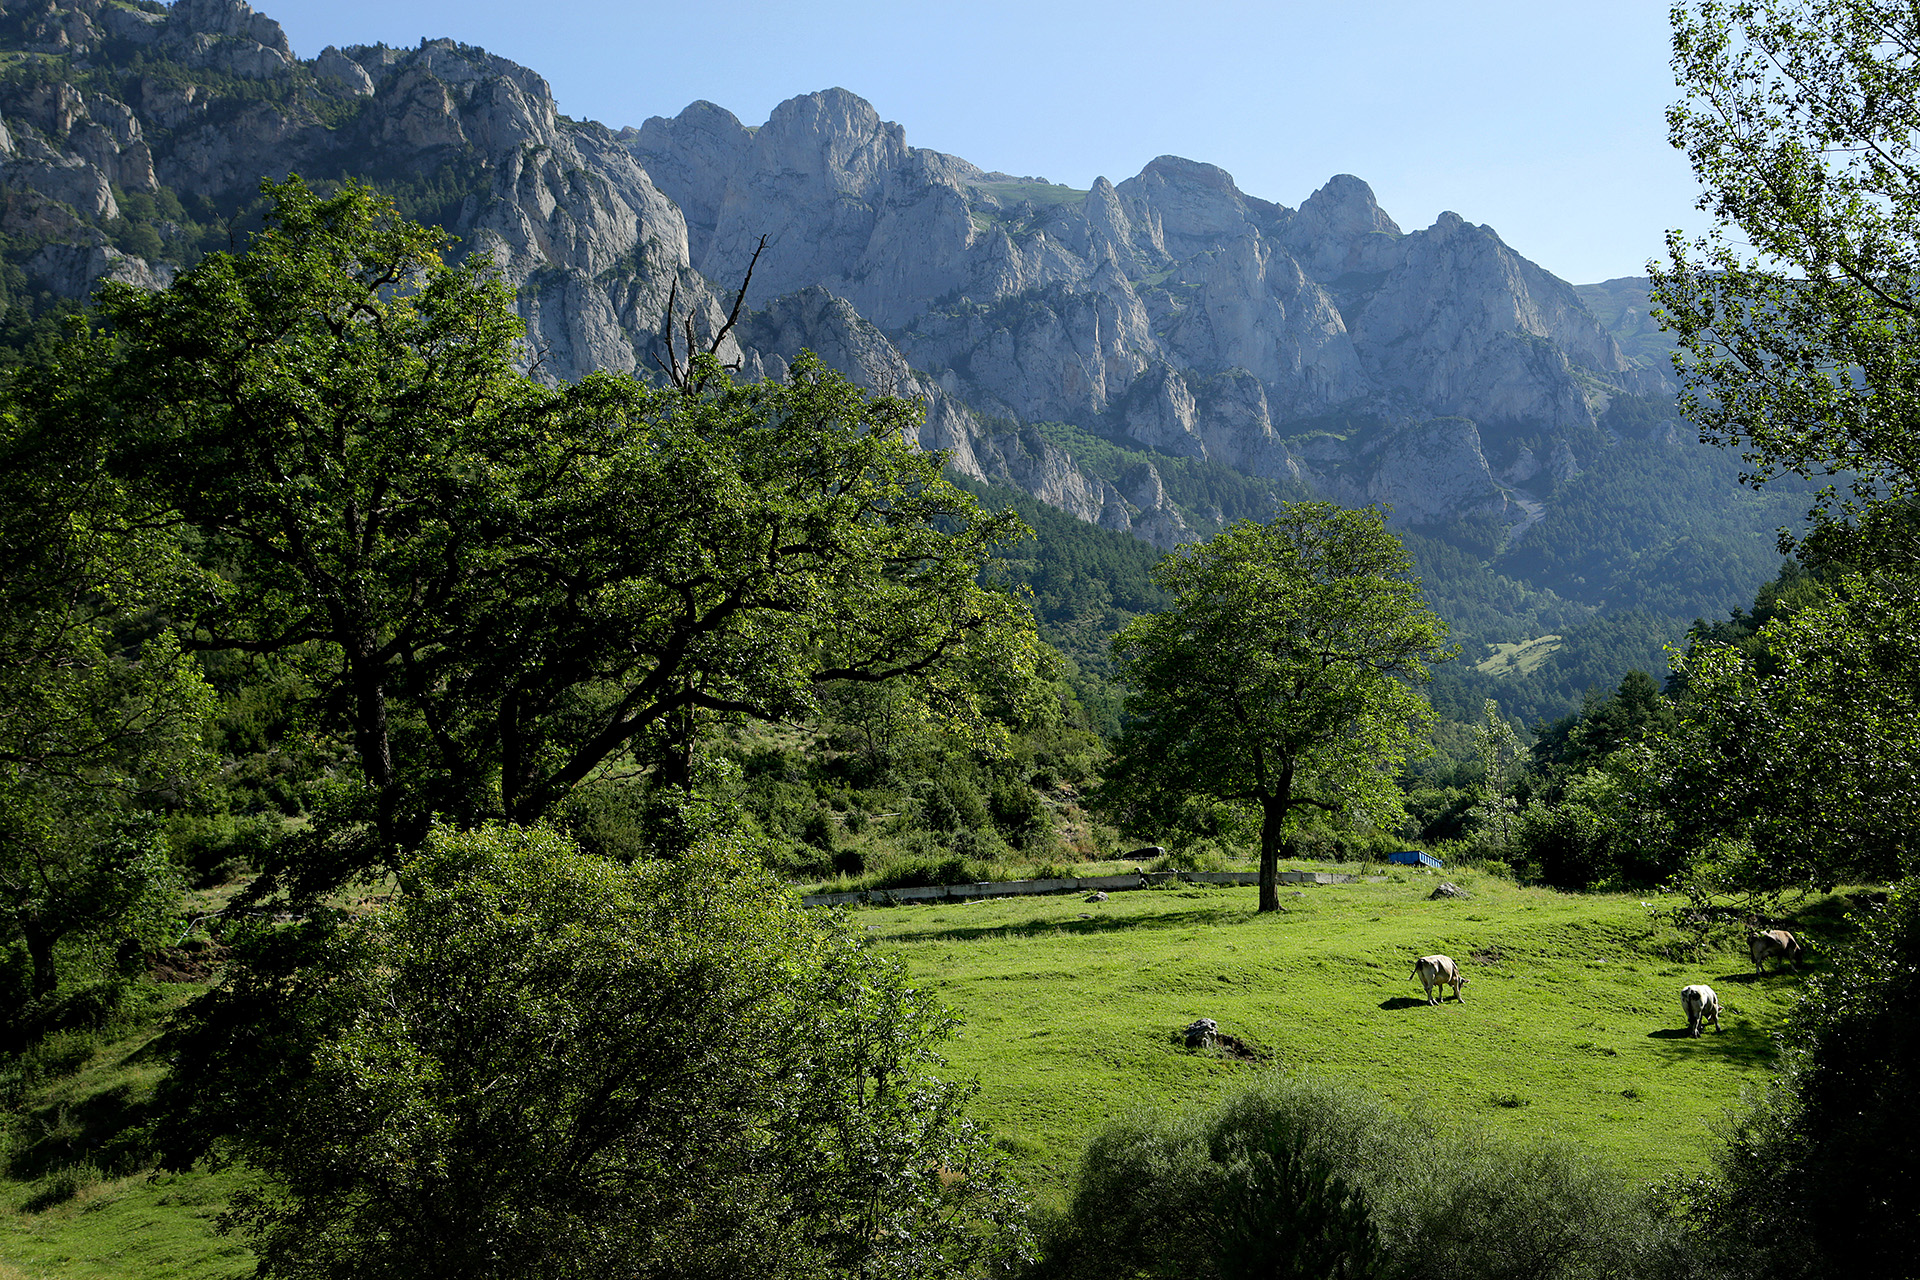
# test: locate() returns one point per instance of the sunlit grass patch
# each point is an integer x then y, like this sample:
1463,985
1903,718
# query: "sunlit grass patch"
1570,1025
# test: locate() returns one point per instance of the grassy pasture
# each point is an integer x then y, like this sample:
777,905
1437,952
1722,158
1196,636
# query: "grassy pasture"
1570,1027
1521,659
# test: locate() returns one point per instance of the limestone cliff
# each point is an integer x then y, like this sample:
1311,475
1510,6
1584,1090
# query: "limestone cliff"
1170,312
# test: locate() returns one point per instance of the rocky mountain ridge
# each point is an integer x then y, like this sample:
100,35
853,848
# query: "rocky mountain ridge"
1318,349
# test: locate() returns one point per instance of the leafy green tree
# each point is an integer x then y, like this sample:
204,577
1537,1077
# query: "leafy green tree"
1797,318
497,589
1280,679
1814,757
1574,744
100,711
1499,750
538,1063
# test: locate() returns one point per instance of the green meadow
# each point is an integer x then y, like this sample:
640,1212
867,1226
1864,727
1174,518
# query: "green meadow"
1570,1027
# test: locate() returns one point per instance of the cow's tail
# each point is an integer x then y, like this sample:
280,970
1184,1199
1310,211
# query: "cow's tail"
1416,971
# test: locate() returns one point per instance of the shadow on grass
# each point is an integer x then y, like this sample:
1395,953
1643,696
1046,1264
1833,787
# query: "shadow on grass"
1748,1046
1403,1002
107,1128
1096,924
1771,977
1827,918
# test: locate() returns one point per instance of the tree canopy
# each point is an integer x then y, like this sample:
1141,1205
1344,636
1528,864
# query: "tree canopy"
1280,679
1797,317
497,588
1808,751
100,711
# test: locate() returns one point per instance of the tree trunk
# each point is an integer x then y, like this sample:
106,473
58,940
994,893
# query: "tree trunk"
1273,822
40,952
368,679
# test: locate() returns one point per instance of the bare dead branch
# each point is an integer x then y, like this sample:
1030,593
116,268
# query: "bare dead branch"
672,363
739,298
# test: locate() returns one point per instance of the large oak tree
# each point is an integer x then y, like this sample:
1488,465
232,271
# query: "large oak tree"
496,587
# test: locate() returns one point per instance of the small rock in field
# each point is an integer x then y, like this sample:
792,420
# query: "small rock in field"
1448,891
1096,897
1200,1032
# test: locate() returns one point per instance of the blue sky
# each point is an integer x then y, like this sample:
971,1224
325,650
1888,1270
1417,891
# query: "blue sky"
1544,120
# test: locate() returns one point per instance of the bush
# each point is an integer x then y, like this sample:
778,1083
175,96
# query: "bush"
1567,846
1219,1192
83,1008
952,804
224,848
921,873
818,832
62,1185
536,1063
612,819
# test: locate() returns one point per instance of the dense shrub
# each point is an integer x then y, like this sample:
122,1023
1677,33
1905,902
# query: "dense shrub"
537,1063
1817,1177
1390,1196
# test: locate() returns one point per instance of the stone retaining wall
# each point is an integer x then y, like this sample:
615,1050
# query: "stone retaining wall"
1065,884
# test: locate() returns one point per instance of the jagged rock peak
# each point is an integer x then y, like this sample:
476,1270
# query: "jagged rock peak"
833,134
226,35
1178,171
696,117
335,66
233,18
1345,206
1342,229
1190,206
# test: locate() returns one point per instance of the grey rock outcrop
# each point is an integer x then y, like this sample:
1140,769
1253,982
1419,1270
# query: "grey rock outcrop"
73,270
1171,311
337,68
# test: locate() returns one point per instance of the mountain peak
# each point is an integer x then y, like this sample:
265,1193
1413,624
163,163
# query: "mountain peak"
1182,172
1345,206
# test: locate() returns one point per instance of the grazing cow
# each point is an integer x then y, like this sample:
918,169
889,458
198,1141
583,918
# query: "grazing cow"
1700,1005
1437,972
1774,942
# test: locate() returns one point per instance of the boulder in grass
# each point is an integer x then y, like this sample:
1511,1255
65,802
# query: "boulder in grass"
1448,891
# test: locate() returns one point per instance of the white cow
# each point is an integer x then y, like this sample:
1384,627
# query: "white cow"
1438,971
1773,942
1700,1005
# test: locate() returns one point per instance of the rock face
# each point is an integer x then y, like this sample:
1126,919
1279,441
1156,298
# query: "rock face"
1172,310
1323,346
